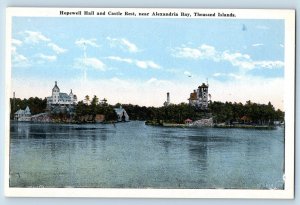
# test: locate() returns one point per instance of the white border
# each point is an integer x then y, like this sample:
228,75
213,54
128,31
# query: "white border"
289,88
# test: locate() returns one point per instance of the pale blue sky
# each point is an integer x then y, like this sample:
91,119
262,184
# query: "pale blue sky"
138,60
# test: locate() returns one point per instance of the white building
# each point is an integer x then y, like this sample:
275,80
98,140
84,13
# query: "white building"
59,98
122,114
23,115
199,98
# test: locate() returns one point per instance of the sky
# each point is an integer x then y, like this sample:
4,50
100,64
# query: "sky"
139,60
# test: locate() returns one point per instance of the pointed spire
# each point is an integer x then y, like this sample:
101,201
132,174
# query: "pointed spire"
55,86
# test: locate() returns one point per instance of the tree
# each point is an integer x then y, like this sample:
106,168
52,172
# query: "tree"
95,101
87,99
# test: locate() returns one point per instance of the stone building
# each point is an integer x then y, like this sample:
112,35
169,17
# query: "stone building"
199,98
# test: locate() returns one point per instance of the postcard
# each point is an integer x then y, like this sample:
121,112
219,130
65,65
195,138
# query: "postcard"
148,102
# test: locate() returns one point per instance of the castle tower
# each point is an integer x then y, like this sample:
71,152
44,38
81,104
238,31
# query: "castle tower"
166,103
55,93
168,98
203,96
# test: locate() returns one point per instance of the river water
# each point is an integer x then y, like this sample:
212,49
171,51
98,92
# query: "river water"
134,155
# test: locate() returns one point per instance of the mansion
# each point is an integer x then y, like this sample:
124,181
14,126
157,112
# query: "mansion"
59,99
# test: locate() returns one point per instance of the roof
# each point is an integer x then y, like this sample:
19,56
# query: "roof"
203,86
64,96
193,96
120,110
19,112
27,111
55,86
23,112
245,118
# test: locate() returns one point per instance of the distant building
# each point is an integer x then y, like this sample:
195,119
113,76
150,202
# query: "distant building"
199,98
60,99
166,103
23,115
188,121
122,114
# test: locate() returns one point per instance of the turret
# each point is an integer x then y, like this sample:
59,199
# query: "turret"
55,93
71,96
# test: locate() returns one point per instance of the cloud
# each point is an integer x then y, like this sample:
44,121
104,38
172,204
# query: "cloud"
56,48
187,53
257,44
141,64
231,75
16,42
269,64
49,58
244,61
236,59
35,37
19,60
208,51
217,74
117,58
89,63
281,45
187,73
203,52
84,42
156,82
123,43
130,46
144,64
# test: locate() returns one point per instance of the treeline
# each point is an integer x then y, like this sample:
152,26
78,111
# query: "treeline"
247,113
221,112
227,112
172,113
93,107
36,105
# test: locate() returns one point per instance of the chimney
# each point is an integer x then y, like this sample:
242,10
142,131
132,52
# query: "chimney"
55,82
168,97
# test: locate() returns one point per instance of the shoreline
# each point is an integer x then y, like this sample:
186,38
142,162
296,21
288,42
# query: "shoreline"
163,124
241,126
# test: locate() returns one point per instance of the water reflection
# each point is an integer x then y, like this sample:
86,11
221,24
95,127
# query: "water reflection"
198,150
135,156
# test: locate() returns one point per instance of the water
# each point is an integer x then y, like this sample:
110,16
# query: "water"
133,155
